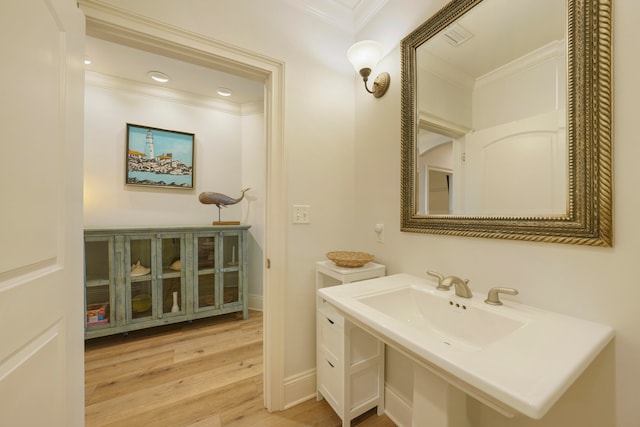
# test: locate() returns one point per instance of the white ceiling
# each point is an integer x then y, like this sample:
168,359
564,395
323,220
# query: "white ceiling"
122,62
116,60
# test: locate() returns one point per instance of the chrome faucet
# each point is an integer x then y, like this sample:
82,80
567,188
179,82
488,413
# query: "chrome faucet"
444,284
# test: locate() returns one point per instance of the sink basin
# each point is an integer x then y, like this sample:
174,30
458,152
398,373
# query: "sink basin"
457,322
514,357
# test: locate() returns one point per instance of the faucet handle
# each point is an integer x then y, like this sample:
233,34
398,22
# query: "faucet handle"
494,295
440,278
435,274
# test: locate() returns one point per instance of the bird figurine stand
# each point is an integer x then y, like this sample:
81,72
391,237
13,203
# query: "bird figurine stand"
221,201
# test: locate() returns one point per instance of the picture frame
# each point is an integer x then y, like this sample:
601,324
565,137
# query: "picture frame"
157,157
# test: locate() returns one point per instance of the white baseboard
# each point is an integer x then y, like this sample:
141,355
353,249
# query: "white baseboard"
397,408
299,388
255,302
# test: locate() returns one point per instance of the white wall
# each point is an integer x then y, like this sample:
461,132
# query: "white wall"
230,154
599,284
443,93
218,167
531,85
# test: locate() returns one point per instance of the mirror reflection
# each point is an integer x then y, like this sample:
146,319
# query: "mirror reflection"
491,112
506,122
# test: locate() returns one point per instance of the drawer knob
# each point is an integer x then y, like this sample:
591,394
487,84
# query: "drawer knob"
330,321
330,364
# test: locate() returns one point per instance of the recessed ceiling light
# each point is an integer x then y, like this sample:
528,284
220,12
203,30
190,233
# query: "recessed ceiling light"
87,60
223,91
158,76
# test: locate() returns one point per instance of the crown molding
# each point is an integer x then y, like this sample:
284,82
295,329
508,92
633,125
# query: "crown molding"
365,10
554,51
348,15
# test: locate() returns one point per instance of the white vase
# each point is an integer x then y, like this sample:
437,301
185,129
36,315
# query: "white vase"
175,308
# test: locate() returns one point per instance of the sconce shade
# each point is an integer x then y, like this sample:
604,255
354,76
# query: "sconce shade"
365,54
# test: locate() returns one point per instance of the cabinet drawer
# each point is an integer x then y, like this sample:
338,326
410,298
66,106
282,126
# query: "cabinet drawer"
331,380
332,333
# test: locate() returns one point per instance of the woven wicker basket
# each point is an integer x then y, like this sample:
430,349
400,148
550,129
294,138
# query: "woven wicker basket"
350,259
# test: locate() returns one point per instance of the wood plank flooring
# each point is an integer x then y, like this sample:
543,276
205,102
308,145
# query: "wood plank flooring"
204,373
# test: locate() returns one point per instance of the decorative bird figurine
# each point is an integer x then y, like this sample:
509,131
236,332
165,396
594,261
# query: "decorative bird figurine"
220,200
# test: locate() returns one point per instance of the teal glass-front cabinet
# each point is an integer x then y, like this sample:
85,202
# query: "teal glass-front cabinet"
205,275
171,299
143,277
100,288
219,271
155,283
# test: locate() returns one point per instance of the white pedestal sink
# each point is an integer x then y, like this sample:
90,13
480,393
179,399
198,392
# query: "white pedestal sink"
515,358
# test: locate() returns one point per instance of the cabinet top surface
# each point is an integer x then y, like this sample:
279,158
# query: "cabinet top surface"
330,265
166,229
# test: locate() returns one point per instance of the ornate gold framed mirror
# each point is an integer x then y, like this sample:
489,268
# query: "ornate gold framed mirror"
522,116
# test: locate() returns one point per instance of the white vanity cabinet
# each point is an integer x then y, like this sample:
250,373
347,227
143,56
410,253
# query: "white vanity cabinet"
350,361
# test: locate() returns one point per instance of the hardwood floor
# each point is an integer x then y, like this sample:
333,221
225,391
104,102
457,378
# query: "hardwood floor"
204,373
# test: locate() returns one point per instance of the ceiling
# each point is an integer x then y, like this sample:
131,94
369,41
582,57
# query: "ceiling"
122,62
133,65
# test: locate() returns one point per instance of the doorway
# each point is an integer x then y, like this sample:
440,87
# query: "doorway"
180,46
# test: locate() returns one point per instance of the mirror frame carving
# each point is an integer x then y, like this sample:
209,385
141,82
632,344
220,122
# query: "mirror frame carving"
589,218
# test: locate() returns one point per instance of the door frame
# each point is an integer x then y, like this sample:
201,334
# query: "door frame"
118,26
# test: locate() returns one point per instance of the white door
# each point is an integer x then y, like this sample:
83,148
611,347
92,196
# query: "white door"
41,298
517,168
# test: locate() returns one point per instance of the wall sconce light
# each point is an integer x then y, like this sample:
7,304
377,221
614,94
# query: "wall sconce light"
364,56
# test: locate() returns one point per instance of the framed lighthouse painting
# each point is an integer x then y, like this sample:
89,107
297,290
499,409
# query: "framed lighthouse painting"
159,157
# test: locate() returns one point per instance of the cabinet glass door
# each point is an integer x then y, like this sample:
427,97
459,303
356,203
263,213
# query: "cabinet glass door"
206,273
140,279
172,289
99,295
230,271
